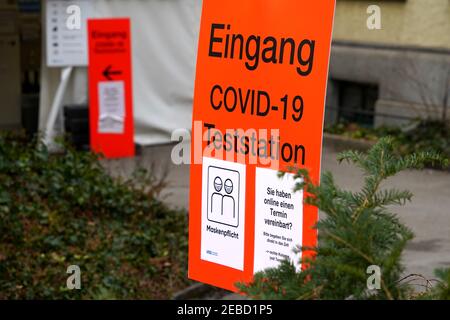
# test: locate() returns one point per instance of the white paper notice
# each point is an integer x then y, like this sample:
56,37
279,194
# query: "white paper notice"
66,23
278,220
223,213
112,107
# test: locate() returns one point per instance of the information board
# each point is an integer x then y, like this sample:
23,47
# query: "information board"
259,104
110,88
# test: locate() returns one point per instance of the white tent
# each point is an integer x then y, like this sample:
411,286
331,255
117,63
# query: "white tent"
164,45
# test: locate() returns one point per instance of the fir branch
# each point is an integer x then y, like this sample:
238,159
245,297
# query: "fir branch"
357,231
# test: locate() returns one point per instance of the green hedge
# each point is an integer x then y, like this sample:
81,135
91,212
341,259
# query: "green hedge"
65,209
423,135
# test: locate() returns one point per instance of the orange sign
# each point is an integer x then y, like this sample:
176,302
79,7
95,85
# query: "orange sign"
259,102
110,88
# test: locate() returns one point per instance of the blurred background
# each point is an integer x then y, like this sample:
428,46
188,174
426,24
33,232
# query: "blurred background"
378,77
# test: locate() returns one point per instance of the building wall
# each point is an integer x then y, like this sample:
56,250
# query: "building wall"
423,23
409,59
412,84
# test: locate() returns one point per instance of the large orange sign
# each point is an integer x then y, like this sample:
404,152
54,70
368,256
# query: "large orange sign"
258,109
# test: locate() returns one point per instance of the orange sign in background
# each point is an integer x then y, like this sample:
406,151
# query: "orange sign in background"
110,88
259,106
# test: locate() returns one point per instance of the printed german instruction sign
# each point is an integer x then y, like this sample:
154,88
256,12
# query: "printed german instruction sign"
111,87
259,101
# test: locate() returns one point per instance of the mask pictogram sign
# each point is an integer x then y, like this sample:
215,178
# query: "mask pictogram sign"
110,88
259,105
222,205
223,213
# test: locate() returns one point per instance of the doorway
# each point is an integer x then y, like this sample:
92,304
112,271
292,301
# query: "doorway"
20,60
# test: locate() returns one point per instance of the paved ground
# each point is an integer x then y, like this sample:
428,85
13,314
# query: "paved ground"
428,215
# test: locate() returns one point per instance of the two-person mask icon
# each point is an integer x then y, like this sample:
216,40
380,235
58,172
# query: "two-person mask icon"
223,204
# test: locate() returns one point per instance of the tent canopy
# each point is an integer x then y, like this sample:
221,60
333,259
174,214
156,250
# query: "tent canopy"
164,45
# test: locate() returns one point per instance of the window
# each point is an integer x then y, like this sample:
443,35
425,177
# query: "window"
356,102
